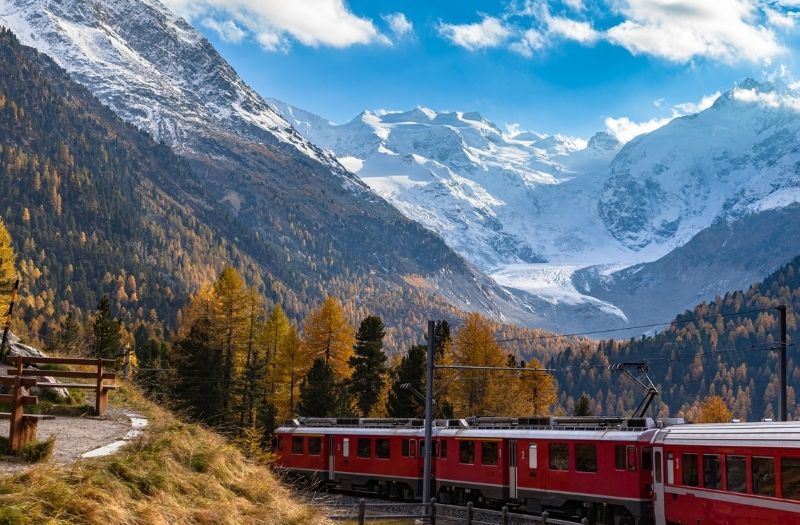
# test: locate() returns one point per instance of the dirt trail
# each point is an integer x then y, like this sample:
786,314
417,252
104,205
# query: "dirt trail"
76,436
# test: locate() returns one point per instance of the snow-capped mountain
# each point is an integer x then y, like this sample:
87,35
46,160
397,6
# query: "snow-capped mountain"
488,193
573,222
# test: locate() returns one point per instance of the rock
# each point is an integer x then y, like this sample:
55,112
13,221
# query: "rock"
16,348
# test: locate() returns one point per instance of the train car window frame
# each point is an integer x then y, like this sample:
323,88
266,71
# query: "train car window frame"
280,442
346,448
647,459
794,492
490,452
712,471
586,458
630,459
533,456
364,448
412,448
443,449
620,457
690,470
658,464
297,445
466,452
558,457
314,446
761,477
739,485
404,450
383,448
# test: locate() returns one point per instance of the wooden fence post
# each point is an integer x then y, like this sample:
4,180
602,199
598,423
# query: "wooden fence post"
432,513
585,521
469,513
100,401
504,516
15,424
362,511
545,515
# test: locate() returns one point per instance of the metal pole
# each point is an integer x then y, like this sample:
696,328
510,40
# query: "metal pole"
426,480
782,412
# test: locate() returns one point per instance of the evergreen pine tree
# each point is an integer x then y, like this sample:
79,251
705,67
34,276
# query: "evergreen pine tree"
106,329
368,364
582,407
403,402
199,381
318,395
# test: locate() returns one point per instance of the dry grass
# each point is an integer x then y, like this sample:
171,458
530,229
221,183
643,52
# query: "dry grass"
176,473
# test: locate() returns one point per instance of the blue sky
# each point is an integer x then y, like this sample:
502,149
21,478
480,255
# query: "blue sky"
561,66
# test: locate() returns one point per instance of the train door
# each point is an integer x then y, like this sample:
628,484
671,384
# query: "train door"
658,486
512,469
331,458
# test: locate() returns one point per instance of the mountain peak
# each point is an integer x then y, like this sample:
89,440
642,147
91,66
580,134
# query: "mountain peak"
603,141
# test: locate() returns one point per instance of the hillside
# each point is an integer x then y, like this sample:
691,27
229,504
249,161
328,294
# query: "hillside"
175,473
96,207
720,347
310,225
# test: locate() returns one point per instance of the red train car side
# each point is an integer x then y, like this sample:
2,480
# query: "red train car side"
728,474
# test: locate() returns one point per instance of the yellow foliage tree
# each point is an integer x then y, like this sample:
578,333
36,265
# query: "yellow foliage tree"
328,335
533,392
291,365
8,272
478,392
714,410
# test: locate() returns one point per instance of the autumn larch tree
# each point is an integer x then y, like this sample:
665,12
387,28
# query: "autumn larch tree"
478,392
714,410
328,335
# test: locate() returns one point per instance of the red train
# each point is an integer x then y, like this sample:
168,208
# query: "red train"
609,470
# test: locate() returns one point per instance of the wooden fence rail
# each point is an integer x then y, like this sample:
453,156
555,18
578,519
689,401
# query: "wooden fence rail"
448,514
99,375
22,427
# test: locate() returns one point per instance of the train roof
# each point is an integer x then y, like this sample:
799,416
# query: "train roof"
580,428
765,434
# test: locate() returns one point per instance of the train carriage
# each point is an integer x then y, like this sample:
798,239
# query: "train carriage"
381,456
597,468
728,474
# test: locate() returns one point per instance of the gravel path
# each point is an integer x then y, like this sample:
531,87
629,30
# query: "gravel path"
75,436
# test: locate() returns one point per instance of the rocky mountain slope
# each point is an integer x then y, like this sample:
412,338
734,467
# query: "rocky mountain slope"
310,224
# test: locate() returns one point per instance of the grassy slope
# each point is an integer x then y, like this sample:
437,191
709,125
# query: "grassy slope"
176,473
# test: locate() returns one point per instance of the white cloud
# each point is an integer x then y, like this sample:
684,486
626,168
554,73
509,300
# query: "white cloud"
781,20
227,30
531,41
581,32
310,22
770,99
577,5
680,30
490,32
399,24
625,129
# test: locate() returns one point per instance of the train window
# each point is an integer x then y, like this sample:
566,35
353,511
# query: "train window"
647,458
533,458
404,450
690,474
489,453
586,458
619,457
315,446
659,466
559,456
280,442
790,478
736,473
382,449
631,459
712,471
297,445
443,449
466,452
763,470
364,448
